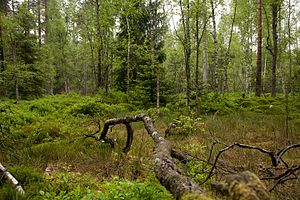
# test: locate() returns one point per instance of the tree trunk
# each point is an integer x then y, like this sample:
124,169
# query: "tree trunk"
3,6
197,60
90,41
259,52
289,89
128,55
280,60
84,78
46,21
185,18
167,172
99,49
153,34
2,68
216,67
158,91
39,23
227,56
205,60
245,185
275,9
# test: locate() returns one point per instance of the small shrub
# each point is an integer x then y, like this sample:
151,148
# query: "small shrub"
197,170
186,125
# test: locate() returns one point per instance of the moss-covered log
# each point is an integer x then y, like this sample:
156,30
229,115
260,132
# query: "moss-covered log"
167,172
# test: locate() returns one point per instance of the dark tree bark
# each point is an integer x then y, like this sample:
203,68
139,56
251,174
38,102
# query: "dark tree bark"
275,9
3,9
259,52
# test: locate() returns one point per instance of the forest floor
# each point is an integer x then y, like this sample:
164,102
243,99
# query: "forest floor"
43,144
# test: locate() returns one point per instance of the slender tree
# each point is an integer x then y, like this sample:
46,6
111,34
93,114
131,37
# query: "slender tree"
275,9
289,47
185,19
216,58
2,68
46,20
259,51
227,55
3,6
205,59
197,56
39,22
99,45
128,50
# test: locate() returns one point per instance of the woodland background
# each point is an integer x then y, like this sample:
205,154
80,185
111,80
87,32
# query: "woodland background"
214,72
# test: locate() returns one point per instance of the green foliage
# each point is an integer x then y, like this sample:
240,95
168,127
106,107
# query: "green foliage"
198,170
213,102
95,108
65,186
186,125
124,189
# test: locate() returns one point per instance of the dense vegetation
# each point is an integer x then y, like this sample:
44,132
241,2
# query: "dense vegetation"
209,72
49,133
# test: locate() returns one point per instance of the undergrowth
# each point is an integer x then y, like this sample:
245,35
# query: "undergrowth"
50,133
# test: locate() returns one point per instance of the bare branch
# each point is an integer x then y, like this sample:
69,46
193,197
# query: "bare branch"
285,176
167,172
275,157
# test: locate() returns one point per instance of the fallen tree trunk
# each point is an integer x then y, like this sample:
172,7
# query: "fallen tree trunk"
167,172
12,179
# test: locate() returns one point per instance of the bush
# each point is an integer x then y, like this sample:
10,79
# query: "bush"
65,186
186,125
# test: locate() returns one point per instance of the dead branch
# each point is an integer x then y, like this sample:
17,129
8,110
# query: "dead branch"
284,176
171,176
281,152
275,156
167,172
12,179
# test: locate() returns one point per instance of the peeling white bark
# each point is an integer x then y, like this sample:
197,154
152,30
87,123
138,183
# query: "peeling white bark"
12,179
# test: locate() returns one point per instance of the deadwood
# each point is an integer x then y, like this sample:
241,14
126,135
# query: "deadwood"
285,176
276,158
177,182
12,179
167,172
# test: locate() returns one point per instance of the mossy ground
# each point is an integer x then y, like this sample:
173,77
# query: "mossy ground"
50,133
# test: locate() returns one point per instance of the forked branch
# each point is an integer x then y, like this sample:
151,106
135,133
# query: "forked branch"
167,172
